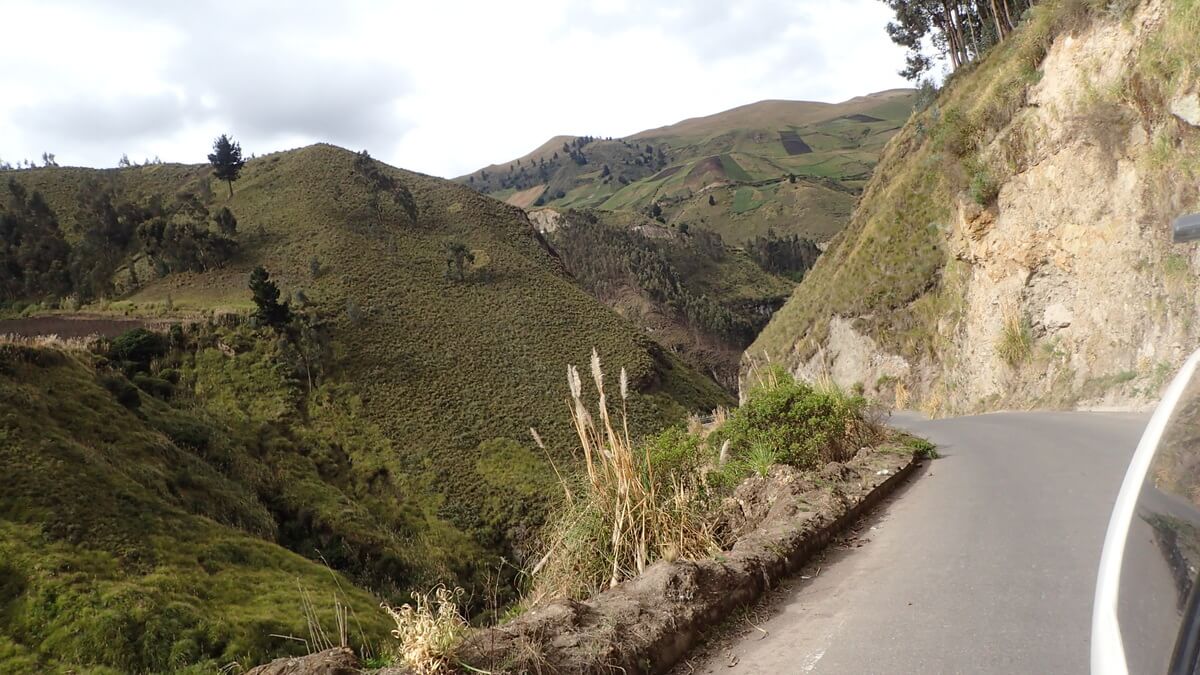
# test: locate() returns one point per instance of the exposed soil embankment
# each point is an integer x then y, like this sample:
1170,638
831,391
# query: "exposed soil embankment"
77,326
646,624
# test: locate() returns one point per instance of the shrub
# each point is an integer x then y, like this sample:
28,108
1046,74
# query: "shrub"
676,456
138,346
125,393
984,188
958,134
920,447
927,93
184,430
155,386
806,427
627,512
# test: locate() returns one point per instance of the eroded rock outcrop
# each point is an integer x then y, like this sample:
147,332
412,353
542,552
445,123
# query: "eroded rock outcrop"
1066,287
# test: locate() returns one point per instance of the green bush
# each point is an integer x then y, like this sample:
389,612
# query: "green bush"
984,188
958,134
139,346
125,393
155,386
805,427
920,447
676,455
183,429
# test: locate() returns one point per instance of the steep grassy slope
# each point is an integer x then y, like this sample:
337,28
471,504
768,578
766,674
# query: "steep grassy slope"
1011,248
688,289
126,548
730,172
449,373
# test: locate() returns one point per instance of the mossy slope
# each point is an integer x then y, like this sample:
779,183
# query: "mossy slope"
123,551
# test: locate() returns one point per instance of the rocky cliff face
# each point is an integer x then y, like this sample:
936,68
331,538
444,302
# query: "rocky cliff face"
1058,283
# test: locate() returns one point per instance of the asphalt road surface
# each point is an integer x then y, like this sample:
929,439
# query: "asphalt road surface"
984,563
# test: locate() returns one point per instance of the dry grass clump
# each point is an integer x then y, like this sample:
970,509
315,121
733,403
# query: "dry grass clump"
1016,338
623,517
49,341
429,630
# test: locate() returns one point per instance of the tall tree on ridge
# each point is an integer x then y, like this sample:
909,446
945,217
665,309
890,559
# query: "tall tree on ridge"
226,160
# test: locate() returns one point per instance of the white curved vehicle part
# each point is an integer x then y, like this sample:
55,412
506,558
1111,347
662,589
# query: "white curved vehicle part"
1136,601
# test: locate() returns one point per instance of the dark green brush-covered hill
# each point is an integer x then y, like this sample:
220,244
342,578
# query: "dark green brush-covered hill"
685,287
405,459
792,166
131,538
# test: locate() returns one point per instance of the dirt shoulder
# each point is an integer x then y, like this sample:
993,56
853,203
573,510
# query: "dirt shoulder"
646,624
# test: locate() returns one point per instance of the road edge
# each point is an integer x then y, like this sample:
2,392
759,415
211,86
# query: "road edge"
673,604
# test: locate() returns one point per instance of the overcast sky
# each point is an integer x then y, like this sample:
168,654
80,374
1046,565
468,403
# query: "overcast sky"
442,87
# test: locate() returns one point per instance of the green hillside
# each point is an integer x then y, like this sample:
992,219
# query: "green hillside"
397,456
124,545
689,290
791,166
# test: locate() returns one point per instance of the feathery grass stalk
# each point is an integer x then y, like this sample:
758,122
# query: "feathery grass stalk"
622,520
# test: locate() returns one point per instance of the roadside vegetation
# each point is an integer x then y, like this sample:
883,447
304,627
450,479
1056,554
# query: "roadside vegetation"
661,498
631,503
244,439
346,411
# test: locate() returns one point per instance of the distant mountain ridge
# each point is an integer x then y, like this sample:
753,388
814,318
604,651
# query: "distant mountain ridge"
791,166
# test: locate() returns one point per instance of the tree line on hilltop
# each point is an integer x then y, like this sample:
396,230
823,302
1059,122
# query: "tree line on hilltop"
179,234
960,30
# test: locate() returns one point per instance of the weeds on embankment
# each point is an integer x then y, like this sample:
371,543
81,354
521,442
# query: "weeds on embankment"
660,499
623,515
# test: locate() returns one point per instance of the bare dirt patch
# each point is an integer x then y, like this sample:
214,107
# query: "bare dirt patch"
77,325
793,144
707,165
526,198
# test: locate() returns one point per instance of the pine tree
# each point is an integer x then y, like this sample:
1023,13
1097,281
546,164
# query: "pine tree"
226,160
226,222
269,310
458,256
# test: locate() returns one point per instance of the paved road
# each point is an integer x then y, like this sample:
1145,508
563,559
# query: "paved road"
986,563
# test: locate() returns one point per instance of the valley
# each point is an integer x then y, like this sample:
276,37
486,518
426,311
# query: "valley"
592,408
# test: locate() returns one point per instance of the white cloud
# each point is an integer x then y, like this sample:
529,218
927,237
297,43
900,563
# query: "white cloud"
437,87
